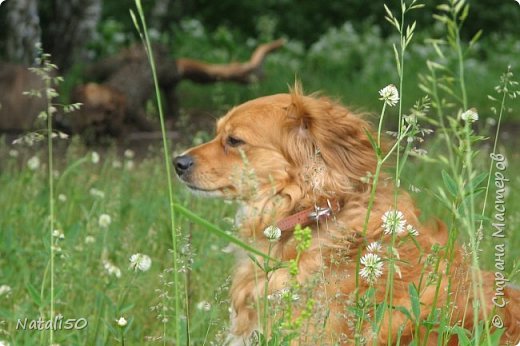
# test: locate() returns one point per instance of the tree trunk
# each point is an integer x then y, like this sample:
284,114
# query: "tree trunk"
72,27
23,30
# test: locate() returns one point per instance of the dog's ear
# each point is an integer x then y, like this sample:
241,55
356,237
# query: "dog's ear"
320,126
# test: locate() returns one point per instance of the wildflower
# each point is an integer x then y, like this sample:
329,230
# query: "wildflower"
58,234
419,152
129,165
228,248
412,230
491,121
272,233
372,267
393,222
13,153
4,343
62,197
295,297
203,306
121,321
33,163
89,239
112,269
97,193
116,164
414,188
129,154
389,95
140,262
94,157
469,116
374,247
5,290
104,220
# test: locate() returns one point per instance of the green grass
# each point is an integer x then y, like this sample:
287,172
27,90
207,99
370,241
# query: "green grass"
133,191
137,202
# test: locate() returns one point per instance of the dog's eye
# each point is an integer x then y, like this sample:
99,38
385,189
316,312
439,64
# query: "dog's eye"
234,142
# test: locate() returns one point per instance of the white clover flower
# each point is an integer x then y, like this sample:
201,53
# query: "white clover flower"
272,233
129,153
13,153
97,193
58,234
117,164
62,197
140,262
491,121
121,321
112,269
104,220
129,165
470,115
203,306
393,222
33,163
374,247
94,157
89,239
372,267
2,342
5,290
389,95
412,230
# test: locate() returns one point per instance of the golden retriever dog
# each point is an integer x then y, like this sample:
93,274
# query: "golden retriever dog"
305,159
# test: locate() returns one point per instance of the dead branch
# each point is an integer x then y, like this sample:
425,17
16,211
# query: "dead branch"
201,72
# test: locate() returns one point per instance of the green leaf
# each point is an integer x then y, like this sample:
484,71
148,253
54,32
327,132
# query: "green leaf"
465,13
458,6
495,337
462,335
218,232
475,182
373,143
405,311
444,7
388,11
34,294
397,61
443,19
450,183
475,38
380,312
414,298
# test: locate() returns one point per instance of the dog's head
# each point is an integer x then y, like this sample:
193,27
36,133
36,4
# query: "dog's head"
286,144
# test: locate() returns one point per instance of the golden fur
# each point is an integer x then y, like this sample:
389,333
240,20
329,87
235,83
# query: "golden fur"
301,150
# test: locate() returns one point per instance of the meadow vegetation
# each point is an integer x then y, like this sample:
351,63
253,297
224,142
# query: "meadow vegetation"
112,203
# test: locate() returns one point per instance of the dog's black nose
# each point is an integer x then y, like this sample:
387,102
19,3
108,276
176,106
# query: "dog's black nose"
183,164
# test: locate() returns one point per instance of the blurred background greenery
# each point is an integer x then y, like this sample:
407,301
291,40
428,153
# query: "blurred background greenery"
343,48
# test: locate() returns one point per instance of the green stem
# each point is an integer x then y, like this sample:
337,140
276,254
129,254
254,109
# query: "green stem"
380,127
51,201
167,164
266,293
397,168
476,275
490,170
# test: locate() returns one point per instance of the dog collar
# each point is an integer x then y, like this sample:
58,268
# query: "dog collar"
309,215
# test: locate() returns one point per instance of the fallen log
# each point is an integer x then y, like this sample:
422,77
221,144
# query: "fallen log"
114,102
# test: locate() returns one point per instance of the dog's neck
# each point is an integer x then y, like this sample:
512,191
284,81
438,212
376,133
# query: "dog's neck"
283,212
